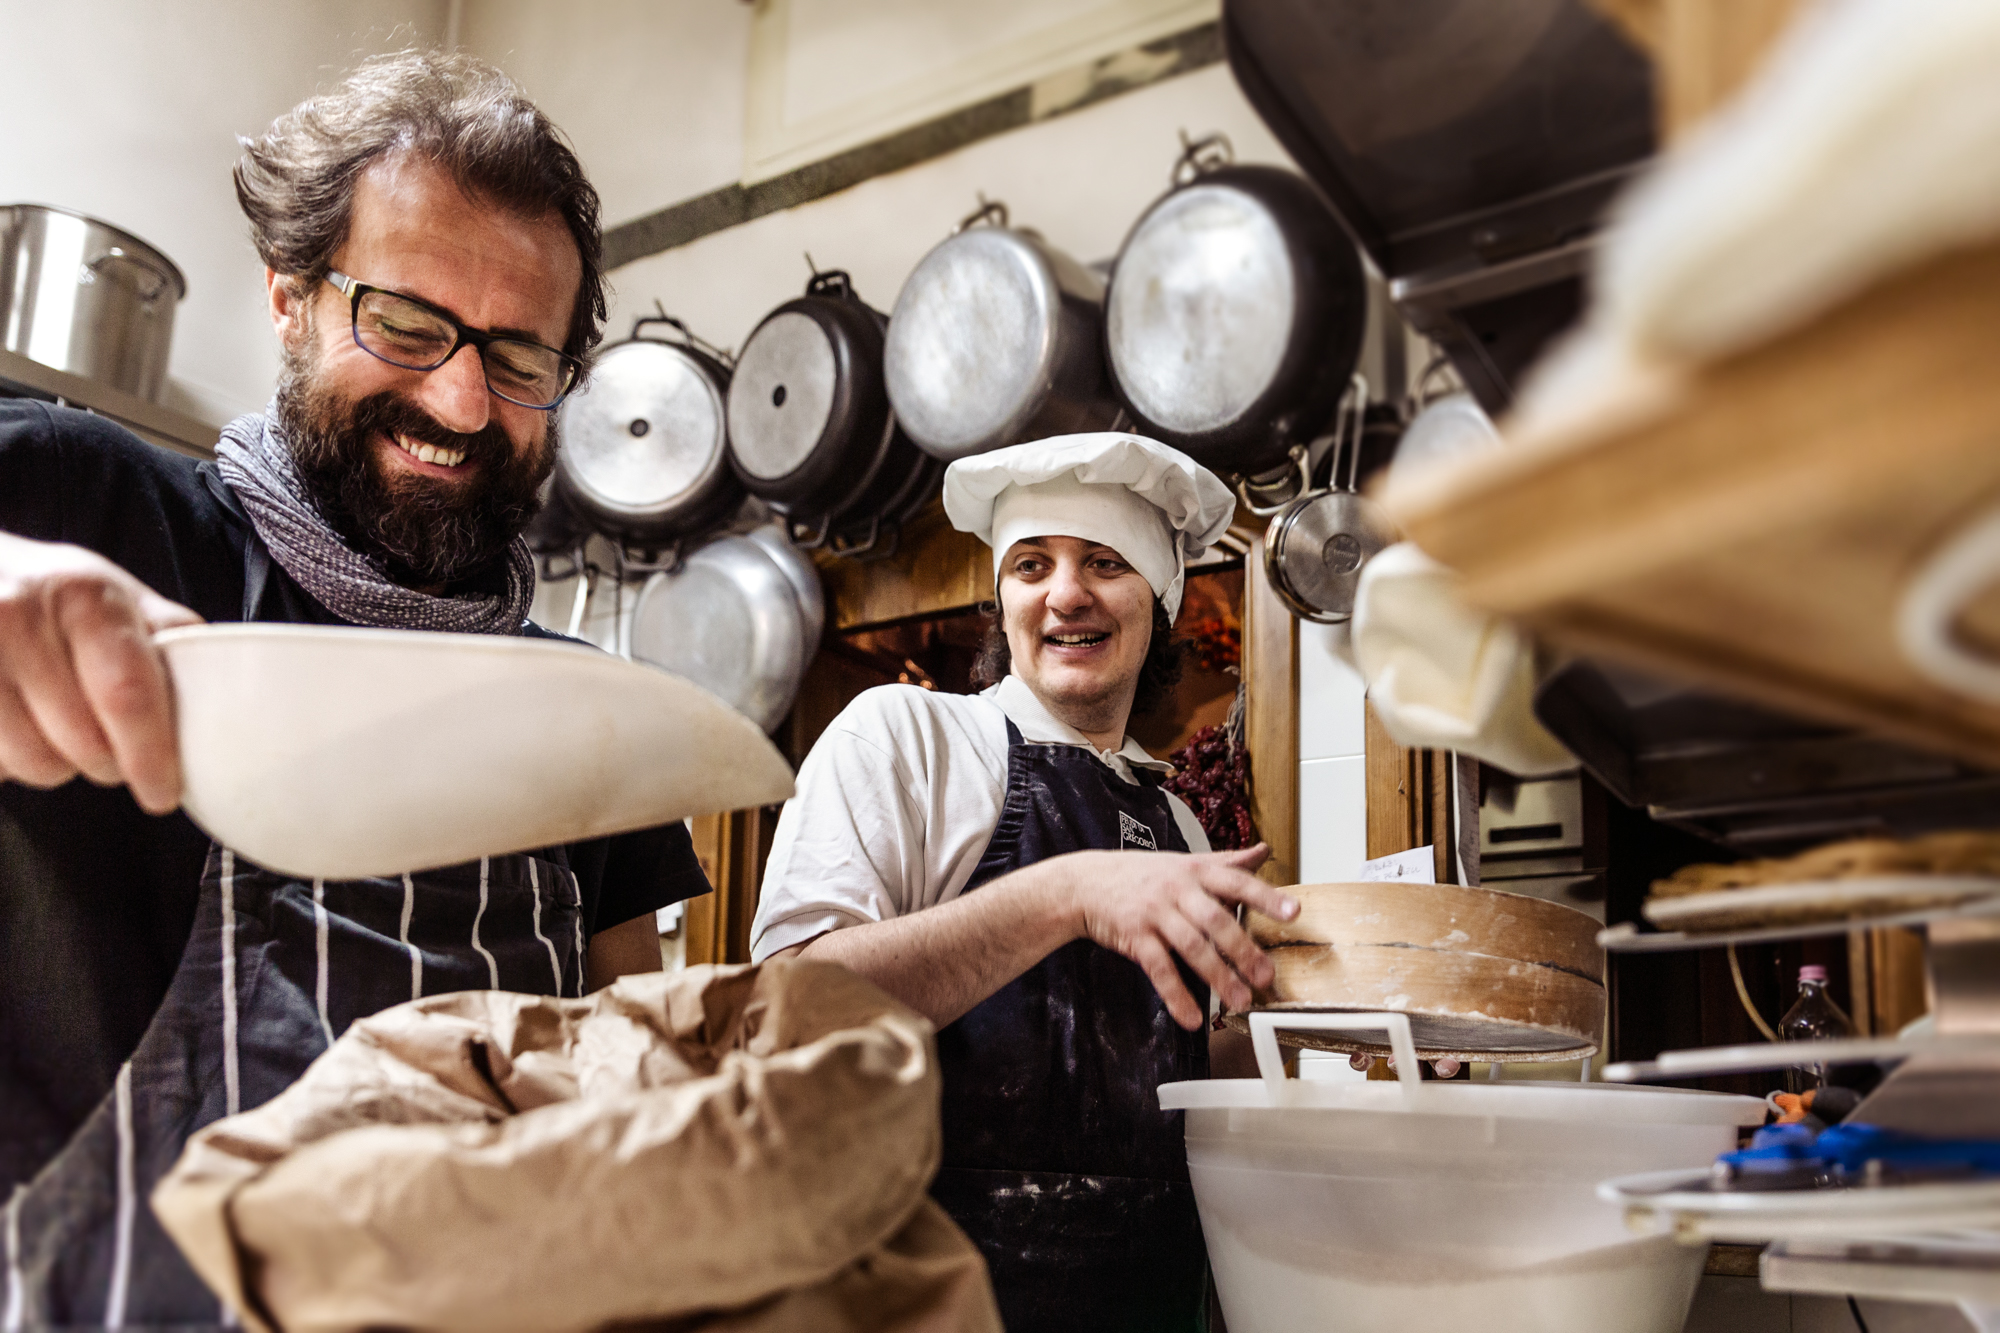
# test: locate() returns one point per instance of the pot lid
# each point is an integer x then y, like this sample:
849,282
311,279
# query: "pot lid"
782,394
972,342
729,621
1200,314
1592,1102
646,429
1596,1103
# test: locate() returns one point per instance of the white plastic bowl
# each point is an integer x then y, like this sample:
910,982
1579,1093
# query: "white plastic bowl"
336,753
1416,1206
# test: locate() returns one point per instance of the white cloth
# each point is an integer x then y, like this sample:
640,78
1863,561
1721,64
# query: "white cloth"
1443,675
1152,504
897,801
1864,144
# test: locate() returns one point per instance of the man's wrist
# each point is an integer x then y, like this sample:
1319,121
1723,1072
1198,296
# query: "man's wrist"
1056,899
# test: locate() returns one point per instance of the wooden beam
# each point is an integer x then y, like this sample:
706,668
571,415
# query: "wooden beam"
1271,717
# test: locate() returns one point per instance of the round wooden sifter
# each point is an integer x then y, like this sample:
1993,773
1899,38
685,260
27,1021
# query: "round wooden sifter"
1483,975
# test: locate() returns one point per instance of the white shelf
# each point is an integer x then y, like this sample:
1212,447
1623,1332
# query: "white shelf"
149,421
1785,1055
1941,1270
1676,1203
1626,937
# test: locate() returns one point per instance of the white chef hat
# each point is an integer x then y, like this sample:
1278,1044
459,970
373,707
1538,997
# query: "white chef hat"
1153,505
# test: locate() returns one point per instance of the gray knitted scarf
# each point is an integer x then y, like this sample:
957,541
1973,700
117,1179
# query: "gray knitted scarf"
257,463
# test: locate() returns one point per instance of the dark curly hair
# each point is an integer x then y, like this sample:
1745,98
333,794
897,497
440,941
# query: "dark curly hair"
296,181
1158,674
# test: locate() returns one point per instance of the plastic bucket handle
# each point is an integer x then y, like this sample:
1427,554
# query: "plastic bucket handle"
1264,1028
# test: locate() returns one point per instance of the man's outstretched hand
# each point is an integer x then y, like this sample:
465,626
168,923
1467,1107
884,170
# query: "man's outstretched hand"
82,689
1150,906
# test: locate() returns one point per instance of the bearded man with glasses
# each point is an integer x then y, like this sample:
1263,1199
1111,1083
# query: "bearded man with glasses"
432,267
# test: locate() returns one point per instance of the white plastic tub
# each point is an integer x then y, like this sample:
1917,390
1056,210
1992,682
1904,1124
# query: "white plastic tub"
1416,1206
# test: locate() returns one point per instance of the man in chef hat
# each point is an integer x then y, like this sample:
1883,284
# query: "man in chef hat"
1008,864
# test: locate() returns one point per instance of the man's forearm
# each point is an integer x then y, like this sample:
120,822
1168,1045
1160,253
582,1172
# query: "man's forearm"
943,961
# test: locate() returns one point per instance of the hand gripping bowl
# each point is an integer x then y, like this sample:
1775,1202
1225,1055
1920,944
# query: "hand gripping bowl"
338,753
1414,1206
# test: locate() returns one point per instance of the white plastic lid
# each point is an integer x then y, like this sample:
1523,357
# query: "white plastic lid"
1597,1103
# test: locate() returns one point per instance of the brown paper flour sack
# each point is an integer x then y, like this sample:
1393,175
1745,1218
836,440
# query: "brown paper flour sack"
741,1148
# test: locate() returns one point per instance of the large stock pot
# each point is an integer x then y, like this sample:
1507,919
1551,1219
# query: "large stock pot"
84,296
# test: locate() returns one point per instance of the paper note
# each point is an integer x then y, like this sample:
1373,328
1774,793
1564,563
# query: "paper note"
1416,866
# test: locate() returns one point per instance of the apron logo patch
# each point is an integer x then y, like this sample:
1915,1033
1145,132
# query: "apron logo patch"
1132,833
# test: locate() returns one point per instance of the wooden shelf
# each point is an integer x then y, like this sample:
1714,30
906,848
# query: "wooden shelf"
155,424
1752,528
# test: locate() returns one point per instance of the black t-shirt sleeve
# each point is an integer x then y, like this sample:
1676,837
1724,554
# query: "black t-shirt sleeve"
633,874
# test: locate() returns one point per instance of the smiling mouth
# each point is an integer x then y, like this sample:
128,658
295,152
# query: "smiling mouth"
1079,639
428,453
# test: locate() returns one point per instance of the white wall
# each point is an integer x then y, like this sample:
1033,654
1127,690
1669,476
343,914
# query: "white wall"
650,92
130,112
1333,788
1081,180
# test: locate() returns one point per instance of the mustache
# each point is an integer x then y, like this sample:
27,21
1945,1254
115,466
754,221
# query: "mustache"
394,415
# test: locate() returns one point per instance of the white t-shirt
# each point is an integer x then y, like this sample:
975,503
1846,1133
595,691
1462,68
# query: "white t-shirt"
897,801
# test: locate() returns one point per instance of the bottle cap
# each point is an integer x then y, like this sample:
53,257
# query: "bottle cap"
1812,972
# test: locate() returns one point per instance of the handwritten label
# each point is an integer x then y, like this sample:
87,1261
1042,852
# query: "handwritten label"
1416,866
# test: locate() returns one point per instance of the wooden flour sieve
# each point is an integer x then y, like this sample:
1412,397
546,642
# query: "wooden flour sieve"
1483,975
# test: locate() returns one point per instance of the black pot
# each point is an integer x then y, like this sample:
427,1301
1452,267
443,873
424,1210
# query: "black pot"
1235,316
811,431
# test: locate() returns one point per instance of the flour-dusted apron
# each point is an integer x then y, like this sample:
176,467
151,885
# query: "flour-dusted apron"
274,970
1058,1160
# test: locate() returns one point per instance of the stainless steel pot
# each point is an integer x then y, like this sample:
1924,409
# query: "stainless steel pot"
1316,545
84,296
997,338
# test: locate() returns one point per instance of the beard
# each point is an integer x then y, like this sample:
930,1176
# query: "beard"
420,531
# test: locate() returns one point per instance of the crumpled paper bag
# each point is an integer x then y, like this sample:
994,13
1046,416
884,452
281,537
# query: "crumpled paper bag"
726,1147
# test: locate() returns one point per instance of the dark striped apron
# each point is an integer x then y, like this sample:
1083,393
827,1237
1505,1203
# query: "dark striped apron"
274,970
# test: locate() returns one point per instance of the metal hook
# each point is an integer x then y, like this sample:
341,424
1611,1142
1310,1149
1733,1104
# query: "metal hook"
689,336
1203,155
1300,460
1437,363
989,210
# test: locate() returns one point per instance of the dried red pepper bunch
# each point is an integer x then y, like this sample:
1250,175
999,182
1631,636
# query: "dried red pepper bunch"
1213,776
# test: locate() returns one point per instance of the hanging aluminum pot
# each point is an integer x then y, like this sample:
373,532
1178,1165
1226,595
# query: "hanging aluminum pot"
644,454
728,618
811,432
997,338
1316,546
1235,313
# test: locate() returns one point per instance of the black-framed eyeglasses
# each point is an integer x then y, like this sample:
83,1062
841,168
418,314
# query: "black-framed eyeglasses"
412,334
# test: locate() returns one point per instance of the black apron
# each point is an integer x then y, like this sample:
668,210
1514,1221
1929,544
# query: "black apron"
1058,1160
274,969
